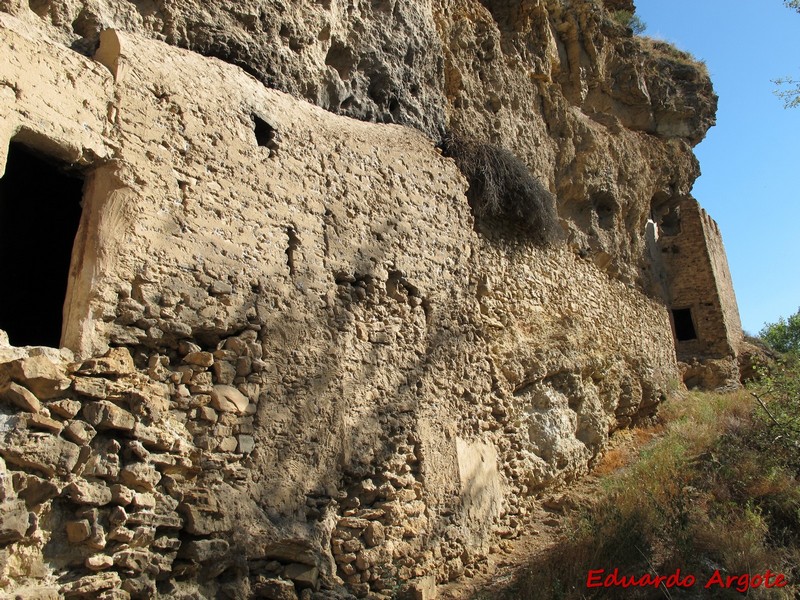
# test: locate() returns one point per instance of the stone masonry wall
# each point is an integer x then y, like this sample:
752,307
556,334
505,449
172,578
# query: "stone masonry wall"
700,280
292,366
696,268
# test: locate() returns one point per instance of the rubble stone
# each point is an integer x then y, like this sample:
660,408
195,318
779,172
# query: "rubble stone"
79,432
105,415
20,397
14,521
45,453
115,363
78,531
140,475
90,585
275,589
40,374
92,493
227,398
65,408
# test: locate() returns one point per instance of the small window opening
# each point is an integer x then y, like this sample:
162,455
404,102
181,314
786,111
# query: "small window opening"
671,222
684,325
266,135
40,209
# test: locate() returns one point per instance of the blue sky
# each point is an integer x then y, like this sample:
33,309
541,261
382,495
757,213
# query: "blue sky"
750,183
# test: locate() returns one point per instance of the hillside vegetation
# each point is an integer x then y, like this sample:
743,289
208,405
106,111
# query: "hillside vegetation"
716,496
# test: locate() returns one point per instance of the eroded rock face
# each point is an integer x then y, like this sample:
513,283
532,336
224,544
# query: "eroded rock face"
568,90
299,366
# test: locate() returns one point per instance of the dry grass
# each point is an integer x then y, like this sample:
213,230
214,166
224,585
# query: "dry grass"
661,49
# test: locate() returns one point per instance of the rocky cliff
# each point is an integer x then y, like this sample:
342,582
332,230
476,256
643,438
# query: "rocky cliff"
295,362
561,84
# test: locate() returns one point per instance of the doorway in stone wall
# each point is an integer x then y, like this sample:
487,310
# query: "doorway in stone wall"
684,324
40,209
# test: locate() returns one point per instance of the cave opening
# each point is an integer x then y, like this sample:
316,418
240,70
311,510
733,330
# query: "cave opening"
40,210
684,325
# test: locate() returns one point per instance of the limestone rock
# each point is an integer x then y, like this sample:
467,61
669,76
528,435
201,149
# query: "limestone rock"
303,576
227,398
200,521
423,588
92,493
90,585
35,490
40,374
14,521
79,432
40,422
91,387
105,415
374,534
247,444
99,562
204,550
121,494
64,408
47,454
116,362
140,475
20,397
201,359
275,589
78,531
36,592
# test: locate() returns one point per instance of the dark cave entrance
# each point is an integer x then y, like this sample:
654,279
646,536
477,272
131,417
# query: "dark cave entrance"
40,209
684,324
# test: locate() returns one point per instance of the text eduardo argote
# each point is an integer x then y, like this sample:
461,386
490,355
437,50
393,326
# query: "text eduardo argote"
600,578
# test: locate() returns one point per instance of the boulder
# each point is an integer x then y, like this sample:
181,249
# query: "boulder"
227,398
20,396
105,415
39,374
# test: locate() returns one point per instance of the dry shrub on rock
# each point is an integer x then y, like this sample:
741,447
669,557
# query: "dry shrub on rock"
503,192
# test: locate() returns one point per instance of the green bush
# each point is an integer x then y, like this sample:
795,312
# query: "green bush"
503,192
783,335
628,18
778,417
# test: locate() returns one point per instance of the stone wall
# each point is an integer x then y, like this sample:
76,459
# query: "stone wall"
290,360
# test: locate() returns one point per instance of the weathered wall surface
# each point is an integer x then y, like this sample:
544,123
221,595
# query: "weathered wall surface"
605,119
320,373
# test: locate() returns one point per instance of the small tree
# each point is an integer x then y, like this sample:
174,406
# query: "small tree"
790,92
627,18
783,335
